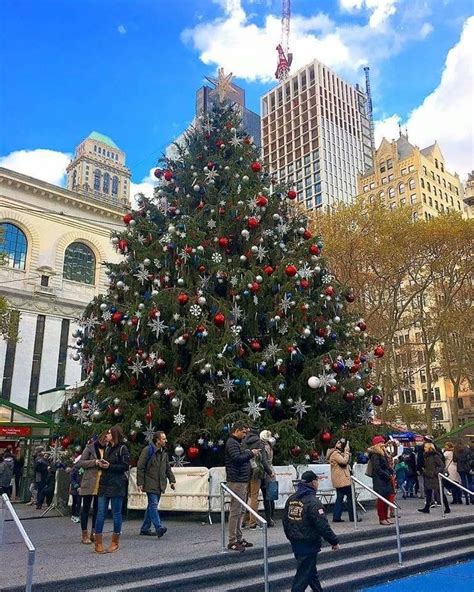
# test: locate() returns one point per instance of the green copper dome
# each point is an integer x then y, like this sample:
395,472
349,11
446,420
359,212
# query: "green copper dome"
104,139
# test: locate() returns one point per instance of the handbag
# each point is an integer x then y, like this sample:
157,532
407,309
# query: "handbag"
272,491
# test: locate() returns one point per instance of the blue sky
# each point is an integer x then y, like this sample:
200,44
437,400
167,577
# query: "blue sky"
130,68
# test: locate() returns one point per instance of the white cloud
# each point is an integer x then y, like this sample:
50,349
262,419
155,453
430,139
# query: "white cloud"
446,114
122,29
47,165
248,50
145,186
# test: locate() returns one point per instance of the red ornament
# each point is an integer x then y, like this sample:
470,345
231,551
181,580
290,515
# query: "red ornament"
325,437
219,320
314,455
158,173
348,396
123,245
201,269
329,291
193,452
66,442
219,143
168,175
154,312
117,317
377,400
256,167
332,388
307,234
254,287
134,321
252,222
291,270
127,218
362,325
379,351
183,298
291,194
271,401
304,283
223,242
255,345
350,297
268,269
247,140
295,451
262,201
314,250
210,411
179,369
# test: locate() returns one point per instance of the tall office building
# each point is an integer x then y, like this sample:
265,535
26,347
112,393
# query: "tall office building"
316,135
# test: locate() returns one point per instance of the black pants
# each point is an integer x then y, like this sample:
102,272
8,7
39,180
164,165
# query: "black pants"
44,492
76,504
306,574
429,494
269,505
87,502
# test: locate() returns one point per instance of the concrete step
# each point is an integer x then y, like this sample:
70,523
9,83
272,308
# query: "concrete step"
246,571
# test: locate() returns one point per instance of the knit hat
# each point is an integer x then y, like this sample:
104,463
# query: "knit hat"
378,440
265,435
308,476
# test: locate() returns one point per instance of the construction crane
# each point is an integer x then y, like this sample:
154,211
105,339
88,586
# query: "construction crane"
370,115
284,57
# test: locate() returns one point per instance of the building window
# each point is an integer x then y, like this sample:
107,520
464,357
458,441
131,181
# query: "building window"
389,164
62,355
411,184
106,186
436,163
97,180
391,192
36,365
115,184
74,178
95,148
401,188
79,264
13,245
45,281
413,198
442,167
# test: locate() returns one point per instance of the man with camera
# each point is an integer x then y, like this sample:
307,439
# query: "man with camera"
339,457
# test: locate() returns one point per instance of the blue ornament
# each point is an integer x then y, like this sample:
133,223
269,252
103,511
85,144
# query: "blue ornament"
215,449
246,293
237,381
333,336
113,309
225,428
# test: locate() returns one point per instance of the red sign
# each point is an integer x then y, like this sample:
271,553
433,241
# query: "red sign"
14,432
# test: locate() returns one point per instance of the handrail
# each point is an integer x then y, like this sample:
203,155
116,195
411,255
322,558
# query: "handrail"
31,548
258,517
441,488
386,501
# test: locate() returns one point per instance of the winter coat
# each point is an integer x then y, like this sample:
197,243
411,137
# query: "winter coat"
462,459
250,442
269,454
41,470
6,473
237,461
153,473
91,470
304,521
113,481
433,466
340,468
382,474
451,466
410,459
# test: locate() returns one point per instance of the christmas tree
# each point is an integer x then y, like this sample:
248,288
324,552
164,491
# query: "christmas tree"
222,309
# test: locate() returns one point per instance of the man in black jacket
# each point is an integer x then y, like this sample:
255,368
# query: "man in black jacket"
305,523
237,468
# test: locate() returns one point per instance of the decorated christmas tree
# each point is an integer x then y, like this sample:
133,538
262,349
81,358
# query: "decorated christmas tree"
222,308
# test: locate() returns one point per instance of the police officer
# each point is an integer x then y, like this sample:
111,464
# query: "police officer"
305,523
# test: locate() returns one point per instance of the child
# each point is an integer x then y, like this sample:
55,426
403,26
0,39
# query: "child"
75,483
401,470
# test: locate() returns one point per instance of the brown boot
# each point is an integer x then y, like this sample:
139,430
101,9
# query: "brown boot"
99,548
92,537
85,538
114,543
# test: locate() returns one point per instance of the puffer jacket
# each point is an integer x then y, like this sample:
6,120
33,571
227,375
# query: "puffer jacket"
304,521
340,468
382,474
237,461
432,466
113,481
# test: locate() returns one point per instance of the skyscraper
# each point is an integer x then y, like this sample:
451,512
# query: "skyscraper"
316,135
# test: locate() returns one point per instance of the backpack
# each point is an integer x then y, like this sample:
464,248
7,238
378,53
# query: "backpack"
149,454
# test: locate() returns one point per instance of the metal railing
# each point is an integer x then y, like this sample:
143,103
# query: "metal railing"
441,490
389,504
6,503
256,515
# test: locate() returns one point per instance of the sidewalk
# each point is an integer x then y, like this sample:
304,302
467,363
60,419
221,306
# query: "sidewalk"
60,555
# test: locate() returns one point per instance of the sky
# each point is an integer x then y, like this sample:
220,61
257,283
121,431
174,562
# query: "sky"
130,69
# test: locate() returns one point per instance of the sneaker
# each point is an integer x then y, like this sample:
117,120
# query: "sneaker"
245,543
236,547
75,519
146,533
434,505
161,531
423,511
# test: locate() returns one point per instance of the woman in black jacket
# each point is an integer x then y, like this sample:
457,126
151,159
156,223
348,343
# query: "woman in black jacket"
382,478
112,487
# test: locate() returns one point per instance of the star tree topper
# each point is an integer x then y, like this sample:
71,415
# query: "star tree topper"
223,85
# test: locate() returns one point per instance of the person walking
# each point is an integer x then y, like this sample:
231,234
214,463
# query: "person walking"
41,477
401,471
269,504
433,464
18,467
89,465
259,469
382,478
462,458
410,460
6,474
112,486
339,457
153,473
238,471
305,523
47,490
452,469
74,486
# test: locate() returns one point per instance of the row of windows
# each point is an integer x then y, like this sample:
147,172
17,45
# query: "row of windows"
79,260
441,181
105,152
105,182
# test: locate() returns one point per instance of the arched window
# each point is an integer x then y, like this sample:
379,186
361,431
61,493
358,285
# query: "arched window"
74,178
13,245
115,184
79,264
391,192
97,180
401,188
422,183
411,183
106,186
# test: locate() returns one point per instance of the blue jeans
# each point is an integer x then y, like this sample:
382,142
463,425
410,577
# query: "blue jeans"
467,482
338,506
151,514
103,505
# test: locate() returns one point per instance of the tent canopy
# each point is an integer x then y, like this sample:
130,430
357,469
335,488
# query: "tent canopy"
18,422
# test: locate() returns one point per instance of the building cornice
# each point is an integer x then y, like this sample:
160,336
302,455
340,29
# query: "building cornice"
59,194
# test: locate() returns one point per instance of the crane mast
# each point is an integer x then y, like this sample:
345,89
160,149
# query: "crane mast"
284,57
369,108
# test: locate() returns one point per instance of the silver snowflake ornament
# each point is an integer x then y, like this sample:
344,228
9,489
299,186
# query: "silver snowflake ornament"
261,253
234,280
106,315
235,141
157,326
236,312
179,418
210,398
149,432
300,408
285,303
227,385
137,367
211,224
271,351
216,258
305,272
195,310
253,409
211,176
89,323
178,461
142,274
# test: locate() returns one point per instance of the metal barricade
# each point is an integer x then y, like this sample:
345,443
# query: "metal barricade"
7,505
390,504
441,490
224,489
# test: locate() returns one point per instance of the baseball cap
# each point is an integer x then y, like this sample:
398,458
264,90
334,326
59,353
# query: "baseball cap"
308,476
